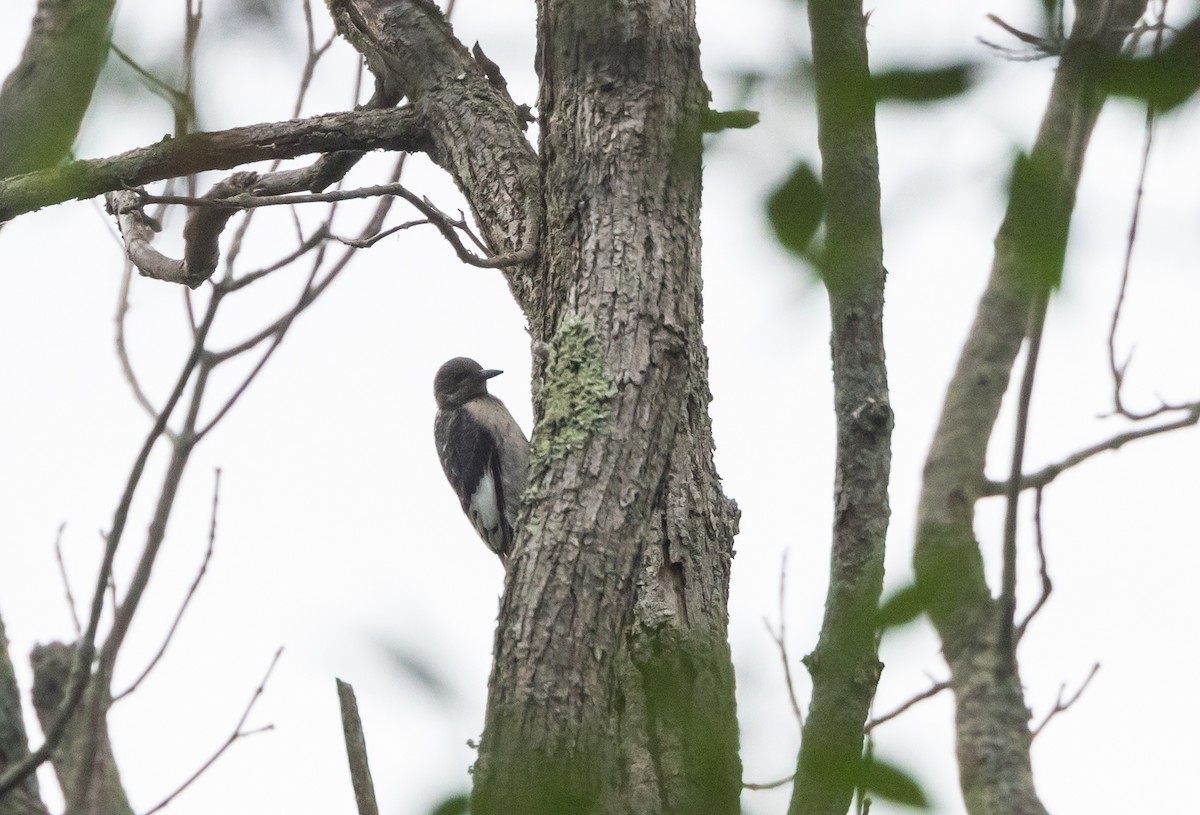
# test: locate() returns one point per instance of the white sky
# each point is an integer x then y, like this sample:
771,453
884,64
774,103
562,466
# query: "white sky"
337,533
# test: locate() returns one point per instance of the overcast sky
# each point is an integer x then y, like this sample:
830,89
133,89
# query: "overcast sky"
339,539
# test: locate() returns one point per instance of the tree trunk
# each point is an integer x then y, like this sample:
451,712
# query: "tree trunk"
612,688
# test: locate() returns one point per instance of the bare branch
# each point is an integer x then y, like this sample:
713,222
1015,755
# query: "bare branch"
238,733
780,639
356,751
62,572
1047,474
187,599
1008,578
122,347
1061,706
80,673
934,690
307,245
770,785
1118,371
444,223
1047,585
388,129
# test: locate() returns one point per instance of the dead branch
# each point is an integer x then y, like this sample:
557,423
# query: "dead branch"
356,751
237,734
1061,706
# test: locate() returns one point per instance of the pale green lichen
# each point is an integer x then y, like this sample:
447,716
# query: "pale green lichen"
576,393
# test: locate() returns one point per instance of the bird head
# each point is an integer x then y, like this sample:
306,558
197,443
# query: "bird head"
459,381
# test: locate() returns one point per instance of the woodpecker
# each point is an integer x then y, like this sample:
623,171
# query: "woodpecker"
484,453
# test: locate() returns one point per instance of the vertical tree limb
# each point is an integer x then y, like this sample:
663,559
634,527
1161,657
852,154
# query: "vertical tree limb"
25,798
991,717
845,665
44,98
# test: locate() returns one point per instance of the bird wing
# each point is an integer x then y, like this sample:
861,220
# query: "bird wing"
471,462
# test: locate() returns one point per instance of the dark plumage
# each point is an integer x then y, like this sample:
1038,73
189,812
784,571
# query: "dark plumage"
484,453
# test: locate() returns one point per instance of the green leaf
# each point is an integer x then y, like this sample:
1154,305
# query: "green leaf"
1039,217
922,85
796,208
1164,80
885,781
904,606
459,804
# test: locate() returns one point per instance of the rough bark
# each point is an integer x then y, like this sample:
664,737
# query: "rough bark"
44,98
389,129
14,743
612,689
475,129
845,666
991,717
83,761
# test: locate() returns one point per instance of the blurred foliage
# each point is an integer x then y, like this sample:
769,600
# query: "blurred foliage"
795,209
882,780
922,84
459,804
1039,219
1164,80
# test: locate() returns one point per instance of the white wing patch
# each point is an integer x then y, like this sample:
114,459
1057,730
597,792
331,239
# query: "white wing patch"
485,511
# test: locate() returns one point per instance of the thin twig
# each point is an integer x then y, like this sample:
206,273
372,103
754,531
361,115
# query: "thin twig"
1008,577
1043,572
770,785
212,539
66,581
1061,706
238,733
306,246
123,349
1118,371
934,690
780,639
1047,474
367,243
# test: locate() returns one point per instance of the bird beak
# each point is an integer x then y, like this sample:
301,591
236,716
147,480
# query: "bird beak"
488,373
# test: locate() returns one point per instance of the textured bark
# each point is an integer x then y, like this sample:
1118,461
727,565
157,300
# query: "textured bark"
44,98
612,689
360,130
83,760
991,717
845,666
14,743
475,130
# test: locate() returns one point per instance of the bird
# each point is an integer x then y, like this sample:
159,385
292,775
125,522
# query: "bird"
483,451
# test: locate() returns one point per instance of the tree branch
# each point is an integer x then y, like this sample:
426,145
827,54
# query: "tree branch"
238,733
1061,706
991,717
845,665
356,751
44,98
1052,471
389,129
475,130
